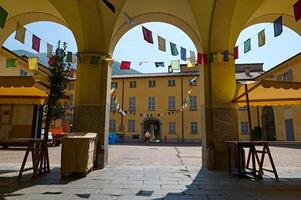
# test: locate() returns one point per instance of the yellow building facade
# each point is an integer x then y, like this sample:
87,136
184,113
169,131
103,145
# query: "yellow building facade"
21,92
281,123
154,102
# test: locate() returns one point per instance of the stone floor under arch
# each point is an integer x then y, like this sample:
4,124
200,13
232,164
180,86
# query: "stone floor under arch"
151,172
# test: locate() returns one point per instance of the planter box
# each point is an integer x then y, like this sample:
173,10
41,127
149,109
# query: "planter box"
78,153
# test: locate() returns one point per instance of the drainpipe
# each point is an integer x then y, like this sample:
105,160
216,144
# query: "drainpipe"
182,111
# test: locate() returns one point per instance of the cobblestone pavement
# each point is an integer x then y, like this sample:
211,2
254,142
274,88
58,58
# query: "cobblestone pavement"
151,172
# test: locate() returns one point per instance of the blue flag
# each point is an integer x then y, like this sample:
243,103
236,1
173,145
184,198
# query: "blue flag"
226,56
183,53
278,26
159,64
173,48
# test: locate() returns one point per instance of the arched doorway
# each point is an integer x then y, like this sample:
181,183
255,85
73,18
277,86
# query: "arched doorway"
154,126
268,123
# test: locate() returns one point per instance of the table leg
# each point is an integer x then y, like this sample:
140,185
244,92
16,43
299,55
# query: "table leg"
229,158
239,160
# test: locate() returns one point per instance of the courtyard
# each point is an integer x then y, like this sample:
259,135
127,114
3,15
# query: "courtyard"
151,172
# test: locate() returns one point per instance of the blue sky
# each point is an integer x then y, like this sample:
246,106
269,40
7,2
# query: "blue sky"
132,47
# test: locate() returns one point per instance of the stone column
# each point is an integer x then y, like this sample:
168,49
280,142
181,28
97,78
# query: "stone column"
221,115
92,103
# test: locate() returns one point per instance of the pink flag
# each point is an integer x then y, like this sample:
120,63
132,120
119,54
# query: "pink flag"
236,56
205,58
199,59
125,65
36,42
147,34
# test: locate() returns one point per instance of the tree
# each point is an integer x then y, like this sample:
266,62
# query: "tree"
57,81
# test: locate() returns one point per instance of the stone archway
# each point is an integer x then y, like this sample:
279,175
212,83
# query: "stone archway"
154,126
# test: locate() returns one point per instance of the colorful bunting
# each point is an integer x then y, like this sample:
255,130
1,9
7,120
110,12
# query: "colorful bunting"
192,57
11,62
161,43
226,56
205,58
261,38
219,57
3,16
192,82
211,57
297,10
175,64
125,65
33,63
49,50
236,54
199,59
183,53
20,33
109,5
36,43
247,45
147,34
278,29
159,64
173,49
189,63
94,60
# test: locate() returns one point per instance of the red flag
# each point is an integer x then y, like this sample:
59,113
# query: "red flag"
36,42
147,34
235,50
125,65
199,61
297,10
205,58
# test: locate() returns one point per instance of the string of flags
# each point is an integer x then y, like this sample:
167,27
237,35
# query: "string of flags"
113,94
208,57
36,43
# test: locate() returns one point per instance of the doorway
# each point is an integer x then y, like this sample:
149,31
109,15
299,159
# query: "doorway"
268,122
153,125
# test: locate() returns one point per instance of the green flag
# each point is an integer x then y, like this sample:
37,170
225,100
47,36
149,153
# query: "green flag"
94,60
173,48
3,16
210,57
11,62
175,64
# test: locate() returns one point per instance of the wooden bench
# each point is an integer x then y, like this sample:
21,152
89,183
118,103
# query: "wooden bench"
39,153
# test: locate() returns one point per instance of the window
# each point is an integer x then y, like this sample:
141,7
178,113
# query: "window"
286,76
112,126
132,103
131,125
151,103
171,83
244,128
113,85
171,103
194,127
132,84
193,105
23,72
113,104
172,127
152,83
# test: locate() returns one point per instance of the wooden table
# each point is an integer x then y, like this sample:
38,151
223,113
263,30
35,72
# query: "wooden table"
39,153
243,166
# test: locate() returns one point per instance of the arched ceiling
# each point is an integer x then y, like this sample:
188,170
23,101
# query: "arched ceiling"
214,24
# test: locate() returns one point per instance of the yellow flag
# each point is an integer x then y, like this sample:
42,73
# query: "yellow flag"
33,63
219,57
261,38
189,63
20,33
